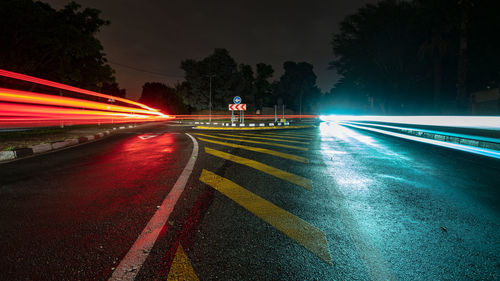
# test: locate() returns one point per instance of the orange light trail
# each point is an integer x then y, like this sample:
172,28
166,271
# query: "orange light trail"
56,85
28,97
29,109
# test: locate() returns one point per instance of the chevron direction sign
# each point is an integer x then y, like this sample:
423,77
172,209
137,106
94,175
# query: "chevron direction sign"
241,106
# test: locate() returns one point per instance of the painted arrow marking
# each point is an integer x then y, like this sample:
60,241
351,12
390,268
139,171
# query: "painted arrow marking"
145,137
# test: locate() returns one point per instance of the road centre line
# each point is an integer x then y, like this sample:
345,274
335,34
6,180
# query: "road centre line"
256,142
130,265
181,268
294,227
278,135
289,177
263,138
261,150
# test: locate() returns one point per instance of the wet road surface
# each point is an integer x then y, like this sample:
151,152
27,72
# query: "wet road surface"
330,203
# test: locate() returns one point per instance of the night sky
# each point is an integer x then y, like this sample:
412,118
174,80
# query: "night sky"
156,35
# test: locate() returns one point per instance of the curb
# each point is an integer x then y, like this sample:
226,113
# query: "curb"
8,155
254,127
226,124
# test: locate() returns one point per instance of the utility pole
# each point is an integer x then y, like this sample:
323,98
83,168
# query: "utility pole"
210,98
300,106
465,6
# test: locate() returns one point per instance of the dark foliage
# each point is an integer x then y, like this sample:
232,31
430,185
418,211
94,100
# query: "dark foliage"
113,89
58,45
297,87
404,56
228,79
163,97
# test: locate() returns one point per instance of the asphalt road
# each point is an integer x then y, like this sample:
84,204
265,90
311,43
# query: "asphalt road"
330,203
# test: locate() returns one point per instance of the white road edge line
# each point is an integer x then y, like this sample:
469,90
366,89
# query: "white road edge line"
129,266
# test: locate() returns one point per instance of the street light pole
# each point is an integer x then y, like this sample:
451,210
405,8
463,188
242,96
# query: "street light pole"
300,107
210,99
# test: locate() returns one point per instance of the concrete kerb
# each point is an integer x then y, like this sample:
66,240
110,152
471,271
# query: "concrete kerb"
253,128
9,155
23,152
59,144
40,148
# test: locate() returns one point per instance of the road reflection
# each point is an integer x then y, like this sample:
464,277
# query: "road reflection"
128,173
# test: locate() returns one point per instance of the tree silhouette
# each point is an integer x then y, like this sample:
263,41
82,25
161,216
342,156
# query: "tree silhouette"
419,56
54,44
297,86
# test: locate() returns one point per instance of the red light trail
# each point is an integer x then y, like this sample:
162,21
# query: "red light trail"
29,109
56,85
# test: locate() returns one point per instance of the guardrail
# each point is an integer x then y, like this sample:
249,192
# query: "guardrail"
476,134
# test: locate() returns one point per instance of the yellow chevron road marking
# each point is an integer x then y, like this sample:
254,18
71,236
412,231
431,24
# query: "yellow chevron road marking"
261,150
289,177
257,142
263,138
294,227
181,268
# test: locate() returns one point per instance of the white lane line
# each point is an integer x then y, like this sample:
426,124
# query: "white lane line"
131,264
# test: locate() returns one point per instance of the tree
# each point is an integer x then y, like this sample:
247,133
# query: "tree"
376,53
225,77
57,45
297,86
163,97
418,56
439,22
246,84
262,94
113,89
463,58
182,89
483,43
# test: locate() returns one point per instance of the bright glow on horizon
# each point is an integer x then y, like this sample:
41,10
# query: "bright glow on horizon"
475,122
